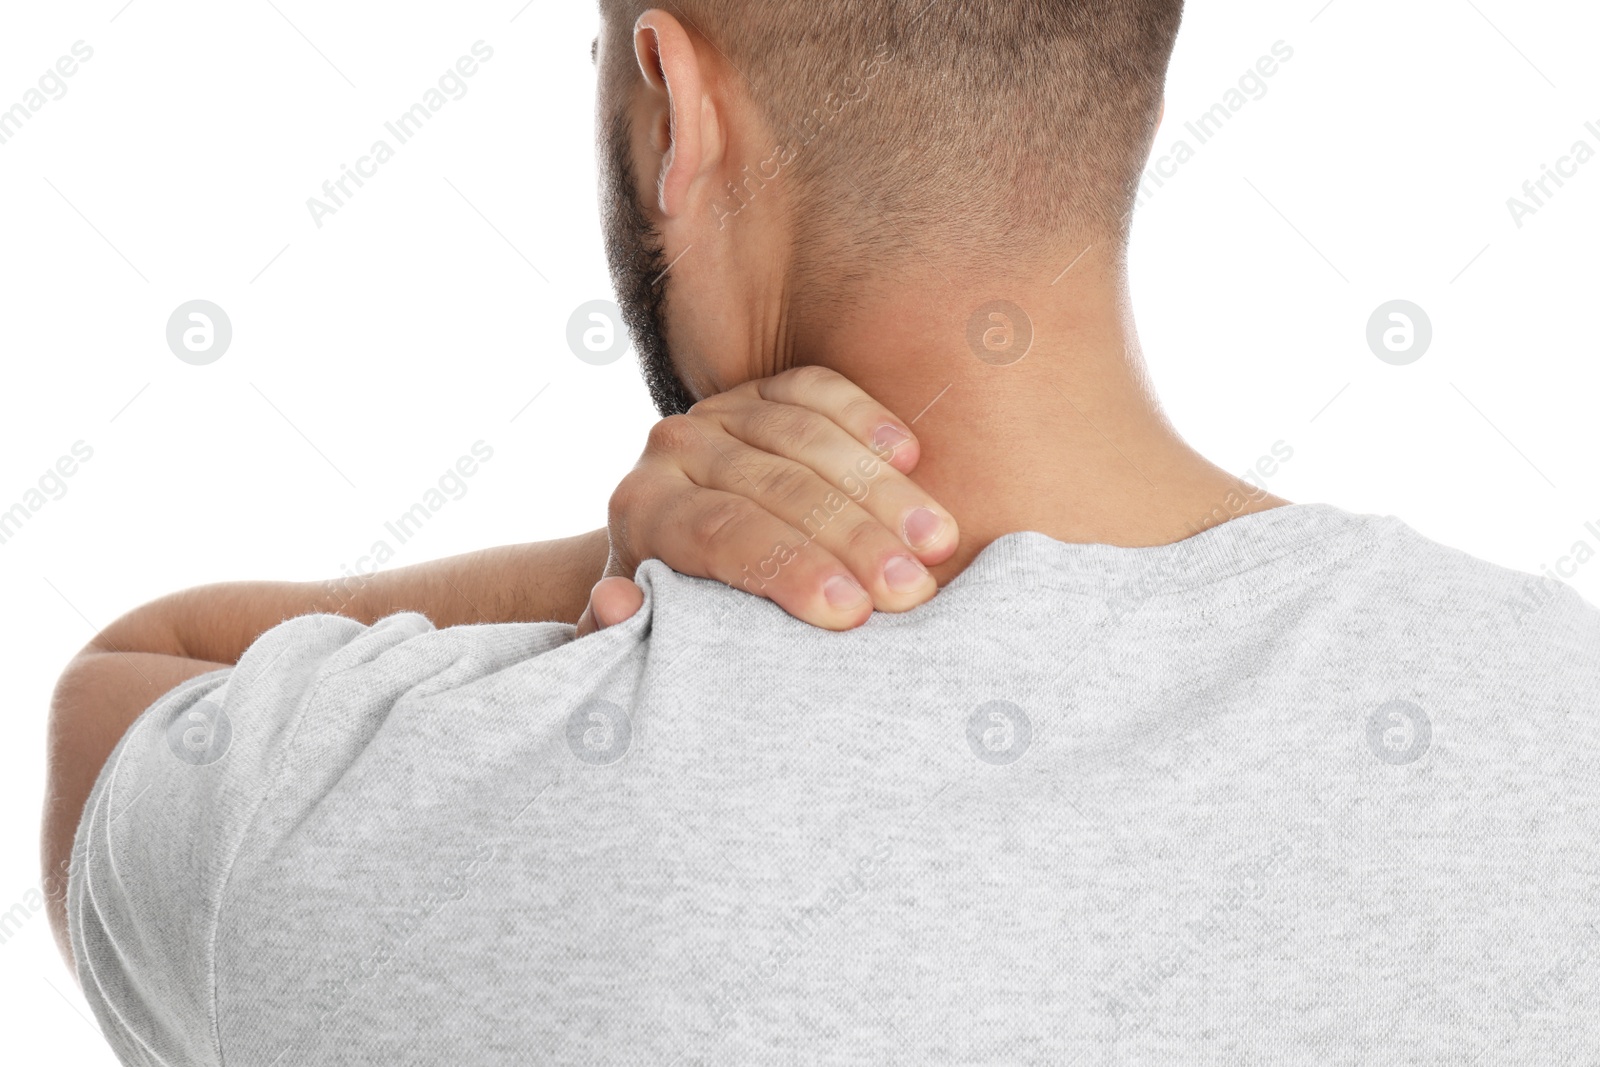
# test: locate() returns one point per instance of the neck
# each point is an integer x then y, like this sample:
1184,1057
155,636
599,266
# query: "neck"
1068,440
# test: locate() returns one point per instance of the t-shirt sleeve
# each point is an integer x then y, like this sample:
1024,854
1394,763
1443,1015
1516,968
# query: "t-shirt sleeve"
166,818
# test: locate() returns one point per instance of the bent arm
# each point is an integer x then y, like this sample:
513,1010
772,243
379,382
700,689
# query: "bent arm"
544,582
147,652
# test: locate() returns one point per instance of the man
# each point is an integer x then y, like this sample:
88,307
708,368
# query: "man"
1168,771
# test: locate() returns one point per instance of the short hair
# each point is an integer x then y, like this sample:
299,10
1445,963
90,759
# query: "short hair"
975,124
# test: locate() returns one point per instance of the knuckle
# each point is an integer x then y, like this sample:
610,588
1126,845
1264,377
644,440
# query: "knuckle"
788,429
709,405
623,510
863,538
787,482
675,433
716,524
621,502
862,409
625,498
738,394
811,376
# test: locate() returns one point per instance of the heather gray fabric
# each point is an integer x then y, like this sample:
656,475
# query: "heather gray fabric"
1306,789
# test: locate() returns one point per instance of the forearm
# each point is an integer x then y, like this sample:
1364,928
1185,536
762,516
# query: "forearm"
548,581
545,581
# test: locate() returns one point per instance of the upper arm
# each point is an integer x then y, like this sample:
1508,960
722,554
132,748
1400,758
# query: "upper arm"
159,766
98,697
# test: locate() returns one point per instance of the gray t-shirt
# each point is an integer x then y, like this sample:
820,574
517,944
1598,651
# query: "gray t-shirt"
1306,789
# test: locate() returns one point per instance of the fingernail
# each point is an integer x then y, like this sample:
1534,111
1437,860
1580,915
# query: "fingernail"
887,439
904,574
843,592
922,528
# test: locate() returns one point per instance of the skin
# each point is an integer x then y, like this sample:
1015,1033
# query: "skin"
791,394
790,441
1069,441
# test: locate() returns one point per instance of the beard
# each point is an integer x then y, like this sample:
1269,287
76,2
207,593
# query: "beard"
639,272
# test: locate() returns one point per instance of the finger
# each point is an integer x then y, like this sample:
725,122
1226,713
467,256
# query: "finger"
815,441
824,517
727,537
832,394
615,600
611,601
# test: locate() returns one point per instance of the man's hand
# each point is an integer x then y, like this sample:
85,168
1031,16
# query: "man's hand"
793,488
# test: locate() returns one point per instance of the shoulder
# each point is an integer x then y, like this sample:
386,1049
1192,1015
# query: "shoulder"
1411,603
184,793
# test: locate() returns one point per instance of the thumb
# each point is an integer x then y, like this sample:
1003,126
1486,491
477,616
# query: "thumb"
611,601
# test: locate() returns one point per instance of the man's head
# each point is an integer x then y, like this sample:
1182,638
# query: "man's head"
769,164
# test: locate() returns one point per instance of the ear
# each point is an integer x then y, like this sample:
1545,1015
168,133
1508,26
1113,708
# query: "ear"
681,120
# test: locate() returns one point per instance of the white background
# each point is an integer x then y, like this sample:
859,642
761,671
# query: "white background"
426,314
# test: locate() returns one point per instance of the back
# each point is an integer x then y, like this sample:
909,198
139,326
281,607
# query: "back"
1304,789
